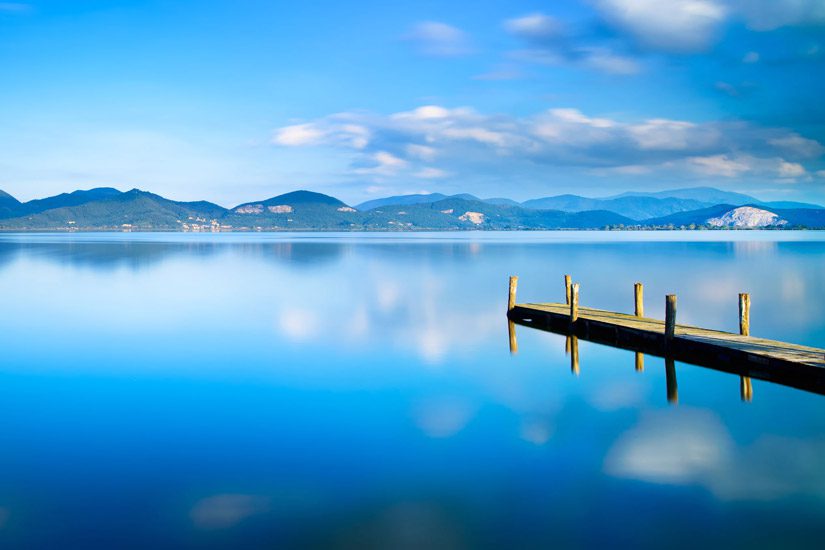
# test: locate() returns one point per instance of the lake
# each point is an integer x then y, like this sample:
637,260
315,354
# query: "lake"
357,390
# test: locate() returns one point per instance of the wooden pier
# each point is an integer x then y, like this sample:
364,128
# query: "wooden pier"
781,362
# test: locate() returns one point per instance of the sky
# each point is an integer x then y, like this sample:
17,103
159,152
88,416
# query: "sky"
233,101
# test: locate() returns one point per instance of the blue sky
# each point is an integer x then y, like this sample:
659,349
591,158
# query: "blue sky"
237,101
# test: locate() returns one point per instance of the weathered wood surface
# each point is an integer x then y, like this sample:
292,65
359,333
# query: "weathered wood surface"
792,364
639,299
511,297
745,314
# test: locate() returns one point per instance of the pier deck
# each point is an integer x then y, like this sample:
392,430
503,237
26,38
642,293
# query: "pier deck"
782,362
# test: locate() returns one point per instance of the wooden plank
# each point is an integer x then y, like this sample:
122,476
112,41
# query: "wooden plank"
800,366
638,296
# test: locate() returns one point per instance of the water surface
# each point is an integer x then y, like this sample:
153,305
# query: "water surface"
358,390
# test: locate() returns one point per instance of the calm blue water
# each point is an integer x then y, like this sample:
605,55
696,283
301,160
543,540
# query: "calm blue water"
357,390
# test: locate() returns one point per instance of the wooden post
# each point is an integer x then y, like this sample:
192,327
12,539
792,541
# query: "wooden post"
640,362
745,314
574,355
567,284
745,389
574,302
670,316
511,329
638,291
511,301
670,379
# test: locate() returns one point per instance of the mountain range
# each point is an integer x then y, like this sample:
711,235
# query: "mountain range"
106,208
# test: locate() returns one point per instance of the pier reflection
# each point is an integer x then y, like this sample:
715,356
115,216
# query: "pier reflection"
571,349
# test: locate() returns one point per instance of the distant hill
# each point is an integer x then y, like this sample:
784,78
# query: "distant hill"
635,207
804,217
303,197
709,195
812,218
295,211
136,209
110,209
696,217
400,200
5,198
8,204
74,198
466,197
428,198
712,196
459,213
791,205
501,201
748,217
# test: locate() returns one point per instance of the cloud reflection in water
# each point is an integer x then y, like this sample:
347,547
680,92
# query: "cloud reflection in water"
692,447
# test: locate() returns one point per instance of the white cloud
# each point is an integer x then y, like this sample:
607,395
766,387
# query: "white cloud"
790,169
571,127
430,173
359,135
426,112
298,134
422,152
536,26
387,160
404,144
574,116
383,163
481,135
628,170
440,39
720,165
797,146
680,26
664,134
609,62
737,165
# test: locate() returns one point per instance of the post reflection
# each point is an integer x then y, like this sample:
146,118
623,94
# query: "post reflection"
640,362
672,386
745,389
511,330
571,347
